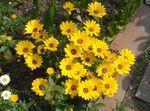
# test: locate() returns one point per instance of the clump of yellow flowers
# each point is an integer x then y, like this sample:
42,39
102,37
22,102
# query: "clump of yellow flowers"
89,66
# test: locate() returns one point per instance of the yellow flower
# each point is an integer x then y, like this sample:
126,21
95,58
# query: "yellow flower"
71,87
72,51
51,44
34,61
42,35
110,86
105,69
24,48
122,66
92,28
9,38
14,98
128,55
96,9
50,70
69,7
99,48
34,27
109,56
39,85
13,16
68,28
67,67
80,39
41,49
80,71
90,75
85,90
98,89
88,58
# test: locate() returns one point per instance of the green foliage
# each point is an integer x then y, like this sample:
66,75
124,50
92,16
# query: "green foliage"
9,106
49,16
36,10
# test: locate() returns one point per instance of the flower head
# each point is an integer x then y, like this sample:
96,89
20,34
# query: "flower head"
71,87
92,28
50,70
33,27
39,85
4,79
69,7
96,9
34,61
68,28
6,94
24,48
14,98
51,44
110,86
85,90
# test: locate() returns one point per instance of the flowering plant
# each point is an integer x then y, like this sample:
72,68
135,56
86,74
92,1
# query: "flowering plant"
78,64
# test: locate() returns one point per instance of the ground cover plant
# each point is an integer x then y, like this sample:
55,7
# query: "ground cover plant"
60,60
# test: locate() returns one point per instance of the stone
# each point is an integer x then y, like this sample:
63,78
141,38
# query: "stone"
134,37
143,91
147,2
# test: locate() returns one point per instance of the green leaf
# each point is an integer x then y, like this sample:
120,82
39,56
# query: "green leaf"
3,48
36,9
30,104
49,16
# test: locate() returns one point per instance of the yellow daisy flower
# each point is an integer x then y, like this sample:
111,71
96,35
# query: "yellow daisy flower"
99,48
42,35
109,56
51,44
24,48
50,70
85,90
39,85
69,7
92,28
80,71
71,87
68,28
96,9
89,75
41,49
33,27
105,69
122,66
13,16
80,39
88,58
34,61
128,55
98,89
110,86
67,67
14,98
72,51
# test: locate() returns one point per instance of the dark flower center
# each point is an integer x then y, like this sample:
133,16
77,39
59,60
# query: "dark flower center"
73,51
104,70
73,87
96,11
80,41
68,67
51,45
107,86
34,62
120,66
99,50
91,29
85,90
25,50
